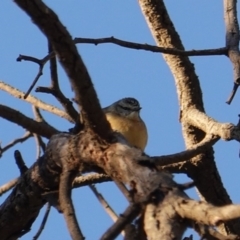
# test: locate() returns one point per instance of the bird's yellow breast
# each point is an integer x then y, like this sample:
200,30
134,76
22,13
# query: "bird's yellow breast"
131,127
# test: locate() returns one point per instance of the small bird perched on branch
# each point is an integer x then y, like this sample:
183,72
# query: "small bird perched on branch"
124,117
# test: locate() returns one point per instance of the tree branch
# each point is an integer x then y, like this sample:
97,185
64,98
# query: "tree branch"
147,47
202,168
226,131
207,142
92,178
44,221
127,217
22,139
34,101
40,62
65,49
55,90
67,205
232,41
8,186
31,125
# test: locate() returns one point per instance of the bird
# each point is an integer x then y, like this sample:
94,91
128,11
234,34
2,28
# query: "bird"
124,117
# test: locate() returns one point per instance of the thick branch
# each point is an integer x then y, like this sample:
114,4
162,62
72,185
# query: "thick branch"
65,49
147,47
226,131
202,168
232,41
31,125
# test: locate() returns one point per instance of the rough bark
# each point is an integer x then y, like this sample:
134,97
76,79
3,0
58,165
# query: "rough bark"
202,168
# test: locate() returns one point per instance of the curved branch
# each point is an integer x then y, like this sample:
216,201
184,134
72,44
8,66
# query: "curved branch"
226,131
206,143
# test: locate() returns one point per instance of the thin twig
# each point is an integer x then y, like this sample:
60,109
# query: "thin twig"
40,62
39,142
26,136
235,88
127,217
38,146
37,114
104,203
55,90
124,190
147,47
43,222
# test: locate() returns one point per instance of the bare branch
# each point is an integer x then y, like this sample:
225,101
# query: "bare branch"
226,131
207,142
147,47
209,233
8,186
31,125
34,101
104,203
67,205
127,217
190,96
40,62
65,49
22,139
20,162
44,221
90,179
232,41
55,90
205,213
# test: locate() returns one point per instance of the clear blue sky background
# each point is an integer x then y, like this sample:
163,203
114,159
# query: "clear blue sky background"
119,72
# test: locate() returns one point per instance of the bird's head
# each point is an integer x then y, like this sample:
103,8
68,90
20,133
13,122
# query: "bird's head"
128,107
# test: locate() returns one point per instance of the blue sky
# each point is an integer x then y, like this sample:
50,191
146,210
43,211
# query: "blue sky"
116,73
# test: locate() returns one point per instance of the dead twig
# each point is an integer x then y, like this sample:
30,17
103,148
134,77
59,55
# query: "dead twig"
40,62
127,217
22,139
44,221
55,90
147,47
